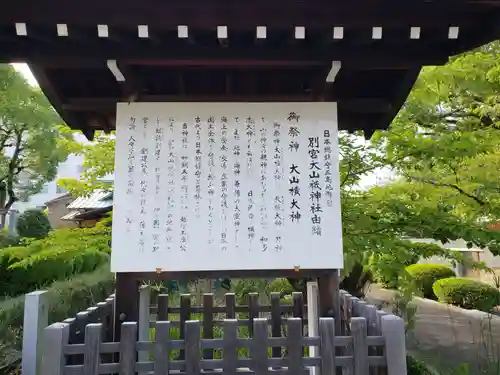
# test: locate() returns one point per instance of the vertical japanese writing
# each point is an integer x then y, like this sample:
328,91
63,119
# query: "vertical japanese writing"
171,183
278,176
130,168
184,189
250,133
278,152
211,177
156,209
314,185
263,185
236,187
327,142
144,165
260,179
293,131
223,183
294,173
198,163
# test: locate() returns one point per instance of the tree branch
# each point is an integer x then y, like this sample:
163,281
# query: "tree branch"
348,173
13,166
452,186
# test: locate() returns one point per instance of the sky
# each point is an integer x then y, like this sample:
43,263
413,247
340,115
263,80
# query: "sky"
376,178
26,72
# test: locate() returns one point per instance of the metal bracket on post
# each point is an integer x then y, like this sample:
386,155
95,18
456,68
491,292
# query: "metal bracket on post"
332,74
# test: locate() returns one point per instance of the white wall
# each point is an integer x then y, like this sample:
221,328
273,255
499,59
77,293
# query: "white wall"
71,168
490,259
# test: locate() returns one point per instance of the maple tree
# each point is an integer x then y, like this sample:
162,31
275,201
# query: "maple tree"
33,141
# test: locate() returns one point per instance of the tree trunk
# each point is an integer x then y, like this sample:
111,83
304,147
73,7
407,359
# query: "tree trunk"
355,283
3,218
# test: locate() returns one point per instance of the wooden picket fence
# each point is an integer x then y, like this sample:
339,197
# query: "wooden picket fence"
359,362
214,317
186,339
362,341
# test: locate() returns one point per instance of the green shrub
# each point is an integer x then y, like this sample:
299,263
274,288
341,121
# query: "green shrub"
7,239
416,367
66,298
386,268
62,254
425,275
242,287
33,224
280,285
467,293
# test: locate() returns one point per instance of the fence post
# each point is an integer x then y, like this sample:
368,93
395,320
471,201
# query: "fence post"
276,322
327,346
55,337
393,330
312,320
192,347
208,322
259,345
359,346
36,318
144,301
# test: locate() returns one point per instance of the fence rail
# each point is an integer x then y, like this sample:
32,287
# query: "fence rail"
384,341
57,350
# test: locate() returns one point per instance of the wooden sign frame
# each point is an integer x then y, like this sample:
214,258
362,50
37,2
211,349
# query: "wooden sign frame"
128,283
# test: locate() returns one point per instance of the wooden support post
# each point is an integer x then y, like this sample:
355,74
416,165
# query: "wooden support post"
329,297
312,320
126,301
144,315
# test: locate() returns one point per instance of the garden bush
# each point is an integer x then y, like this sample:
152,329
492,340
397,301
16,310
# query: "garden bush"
425,275
7,239
66,298
416,367
62,254
467,293
33,224
280,285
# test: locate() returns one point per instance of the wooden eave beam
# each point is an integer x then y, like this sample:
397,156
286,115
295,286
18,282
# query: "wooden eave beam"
206,14
362,105
132,87
399,95
54,97
371,55
91,63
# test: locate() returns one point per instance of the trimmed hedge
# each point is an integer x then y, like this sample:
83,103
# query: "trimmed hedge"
66,298
467,293
62,254
425,275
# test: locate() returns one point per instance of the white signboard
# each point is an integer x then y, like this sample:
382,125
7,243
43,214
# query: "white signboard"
226,186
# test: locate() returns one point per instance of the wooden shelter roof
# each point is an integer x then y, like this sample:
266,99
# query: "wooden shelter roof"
87,55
